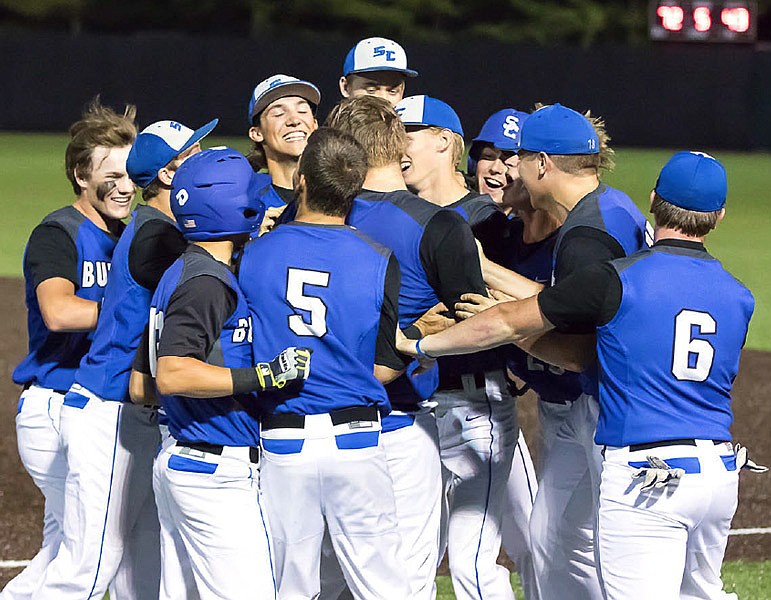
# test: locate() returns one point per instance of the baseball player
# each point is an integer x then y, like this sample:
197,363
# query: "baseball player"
664,426
559,163
148,246
476,416
66,264
199,350
282,114
319,282
376,67
437,257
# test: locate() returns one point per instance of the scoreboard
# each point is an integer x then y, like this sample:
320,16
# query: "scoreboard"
703,21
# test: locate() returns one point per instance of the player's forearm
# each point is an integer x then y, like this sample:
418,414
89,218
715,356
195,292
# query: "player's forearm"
142,388
192,378
62,310
509,282
571,352
385,374
502,324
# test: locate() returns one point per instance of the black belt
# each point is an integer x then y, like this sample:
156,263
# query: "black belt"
254,453
339,417
678,442
454,381
29,384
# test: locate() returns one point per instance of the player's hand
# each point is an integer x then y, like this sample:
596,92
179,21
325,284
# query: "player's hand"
472,304
432,321
743,461
290,368
269,220
657,475
404,344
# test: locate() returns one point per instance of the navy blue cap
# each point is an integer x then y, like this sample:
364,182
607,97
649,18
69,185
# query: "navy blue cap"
557,129
502,129
428,112
693,181
157,145
377,54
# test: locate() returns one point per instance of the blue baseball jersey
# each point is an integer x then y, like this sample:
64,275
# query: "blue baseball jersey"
320,287
229,421
534,261
106,369
261,187
54,357
611,212
397,220
669,356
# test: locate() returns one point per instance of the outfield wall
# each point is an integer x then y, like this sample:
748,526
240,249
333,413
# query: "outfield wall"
676,95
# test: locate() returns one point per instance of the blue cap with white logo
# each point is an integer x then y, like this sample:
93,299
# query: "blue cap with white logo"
377,54
281,86
693,181
157,145
557,129
428,112
502,129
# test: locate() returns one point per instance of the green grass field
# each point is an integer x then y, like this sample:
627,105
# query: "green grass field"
33,184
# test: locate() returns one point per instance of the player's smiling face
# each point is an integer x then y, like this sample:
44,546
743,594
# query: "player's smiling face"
495,170
388,85
108,189
284,127
531,172
421,157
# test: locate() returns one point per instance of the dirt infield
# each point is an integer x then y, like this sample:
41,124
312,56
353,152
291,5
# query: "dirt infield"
21,504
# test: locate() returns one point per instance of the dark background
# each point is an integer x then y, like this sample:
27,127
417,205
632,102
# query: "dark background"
667,95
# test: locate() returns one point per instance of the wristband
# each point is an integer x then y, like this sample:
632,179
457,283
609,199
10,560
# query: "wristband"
245,380
420,352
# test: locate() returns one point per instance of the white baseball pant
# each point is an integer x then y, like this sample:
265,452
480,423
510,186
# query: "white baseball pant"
667,543
215,536
564,514
37,436
478,432
332,478
109,504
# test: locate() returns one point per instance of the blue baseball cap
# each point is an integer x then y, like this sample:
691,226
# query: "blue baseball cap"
428,112
693,181
557,129
157,145
502,129
377,54
281,86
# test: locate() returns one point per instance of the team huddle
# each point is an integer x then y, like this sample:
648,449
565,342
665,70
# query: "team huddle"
294,374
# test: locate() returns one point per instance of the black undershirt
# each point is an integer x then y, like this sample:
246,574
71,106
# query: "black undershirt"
583,246
51,253
385,346
285,194
449,257
156,245
590,297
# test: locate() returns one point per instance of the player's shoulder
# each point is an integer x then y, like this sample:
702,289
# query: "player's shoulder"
367,242
196,262
67,218
411,205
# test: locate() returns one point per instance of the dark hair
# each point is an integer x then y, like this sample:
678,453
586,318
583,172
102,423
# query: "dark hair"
373,122
334,166
689,222
99,126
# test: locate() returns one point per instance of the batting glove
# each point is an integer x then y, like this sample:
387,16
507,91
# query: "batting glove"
657,475
743,461
290,368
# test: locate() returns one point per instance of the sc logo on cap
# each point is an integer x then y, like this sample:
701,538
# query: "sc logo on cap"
511,127
182,197
390,55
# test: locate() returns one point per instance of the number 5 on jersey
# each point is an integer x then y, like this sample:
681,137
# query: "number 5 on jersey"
296,295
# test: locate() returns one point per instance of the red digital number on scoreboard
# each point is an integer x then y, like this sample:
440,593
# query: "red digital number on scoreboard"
703,20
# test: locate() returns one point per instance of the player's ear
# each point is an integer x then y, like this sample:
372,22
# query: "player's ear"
165,175
255,134
653,196
444,139
543,163
81,181
721,215
344,87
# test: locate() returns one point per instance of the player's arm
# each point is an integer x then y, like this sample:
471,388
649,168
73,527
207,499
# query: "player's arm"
389,363
51,260
141,383
510,283
448,254
156,245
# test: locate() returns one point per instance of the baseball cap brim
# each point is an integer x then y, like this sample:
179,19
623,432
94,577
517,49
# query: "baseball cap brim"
199,134
303,89
405,72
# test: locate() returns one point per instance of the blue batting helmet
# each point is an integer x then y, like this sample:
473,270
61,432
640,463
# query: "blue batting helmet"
210,196
501,130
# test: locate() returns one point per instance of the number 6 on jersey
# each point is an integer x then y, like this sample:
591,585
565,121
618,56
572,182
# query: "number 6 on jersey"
296,281
686,346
